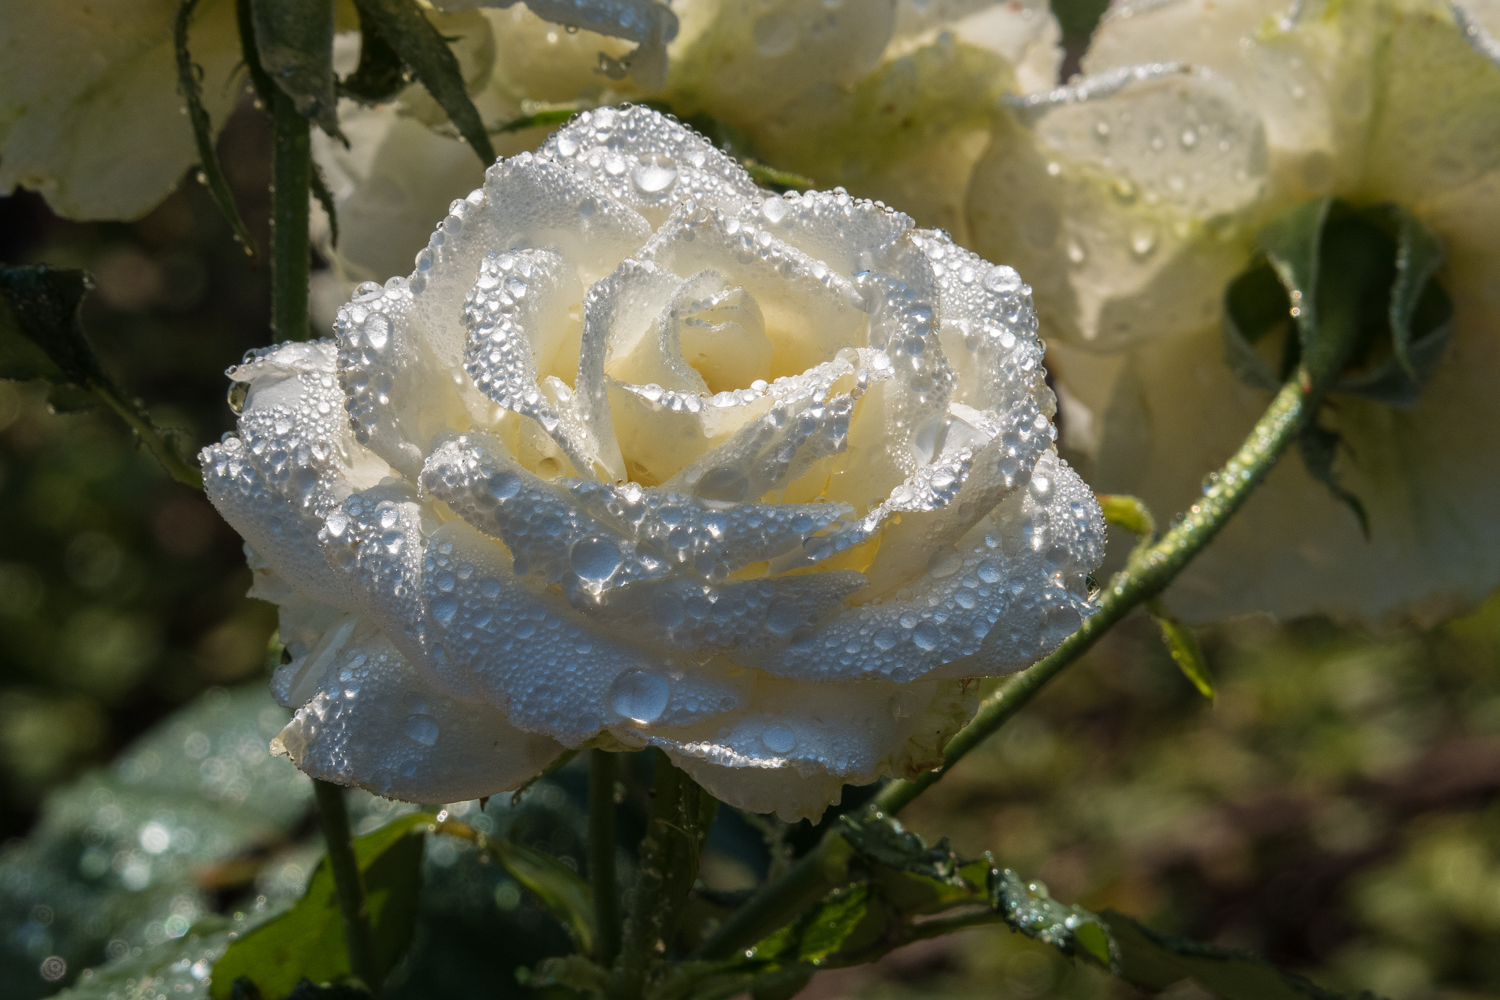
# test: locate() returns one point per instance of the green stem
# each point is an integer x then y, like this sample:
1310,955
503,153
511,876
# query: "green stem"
1150,569
602,854
348,883
678,824
291,182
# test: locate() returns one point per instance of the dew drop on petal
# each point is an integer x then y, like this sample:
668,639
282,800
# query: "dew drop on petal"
594,558
639,695
779,739
654,173
422,728
927,636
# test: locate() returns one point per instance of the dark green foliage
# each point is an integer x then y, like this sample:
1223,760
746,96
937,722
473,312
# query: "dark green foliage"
1350,290
306,941
419,44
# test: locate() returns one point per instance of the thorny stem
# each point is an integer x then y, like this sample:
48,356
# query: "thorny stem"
348,884
602,854
291,181
681,814
1149,571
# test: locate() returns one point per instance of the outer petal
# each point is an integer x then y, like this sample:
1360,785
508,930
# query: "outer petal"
1129,210
374,723
795,744
102,137
752,56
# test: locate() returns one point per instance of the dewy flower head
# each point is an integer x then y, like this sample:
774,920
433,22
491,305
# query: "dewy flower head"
641,455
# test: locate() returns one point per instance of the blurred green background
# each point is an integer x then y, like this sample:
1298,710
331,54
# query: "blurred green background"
1335,809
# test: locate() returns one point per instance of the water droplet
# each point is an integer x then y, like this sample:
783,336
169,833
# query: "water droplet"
594,558
639,695
1002,279
1189,138
238,391
726,483
654,173
422,728
444,608
884,638
944,563
1143,241
779,739
378,331
927,636
774,209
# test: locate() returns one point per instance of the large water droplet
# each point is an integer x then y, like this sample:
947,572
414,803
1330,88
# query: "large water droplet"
927,636
726,483
422,728
944,563
238,391
1002,279
884,638
654,173
779,739
444,608
377,331
640,695
594,559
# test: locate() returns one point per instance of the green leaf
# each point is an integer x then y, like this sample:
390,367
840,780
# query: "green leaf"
1318,447
559,888
572,972
406,29
820,932
325,198
551,116
1031,910
188,83
307,942
41,337
294,39
1255,303
1130,513
1155,961
1185,650
380,75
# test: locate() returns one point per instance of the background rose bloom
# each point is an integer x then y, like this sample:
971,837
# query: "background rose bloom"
891,99
1131,207
642,456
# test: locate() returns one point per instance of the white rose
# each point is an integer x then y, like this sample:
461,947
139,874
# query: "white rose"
641,456
1131,208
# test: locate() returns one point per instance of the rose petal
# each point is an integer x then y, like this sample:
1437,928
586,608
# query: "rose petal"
375,724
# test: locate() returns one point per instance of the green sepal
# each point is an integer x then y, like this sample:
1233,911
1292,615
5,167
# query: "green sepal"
380,75
1184,648
307,942
422,47
294,40
321,191
189,84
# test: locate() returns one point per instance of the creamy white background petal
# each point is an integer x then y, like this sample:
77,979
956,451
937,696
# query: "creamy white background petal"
90,115
1375,102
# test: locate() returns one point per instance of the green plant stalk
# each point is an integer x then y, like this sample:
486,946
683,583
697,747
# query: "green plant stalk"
1150,569
333,815
678,824
291,249
602,854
